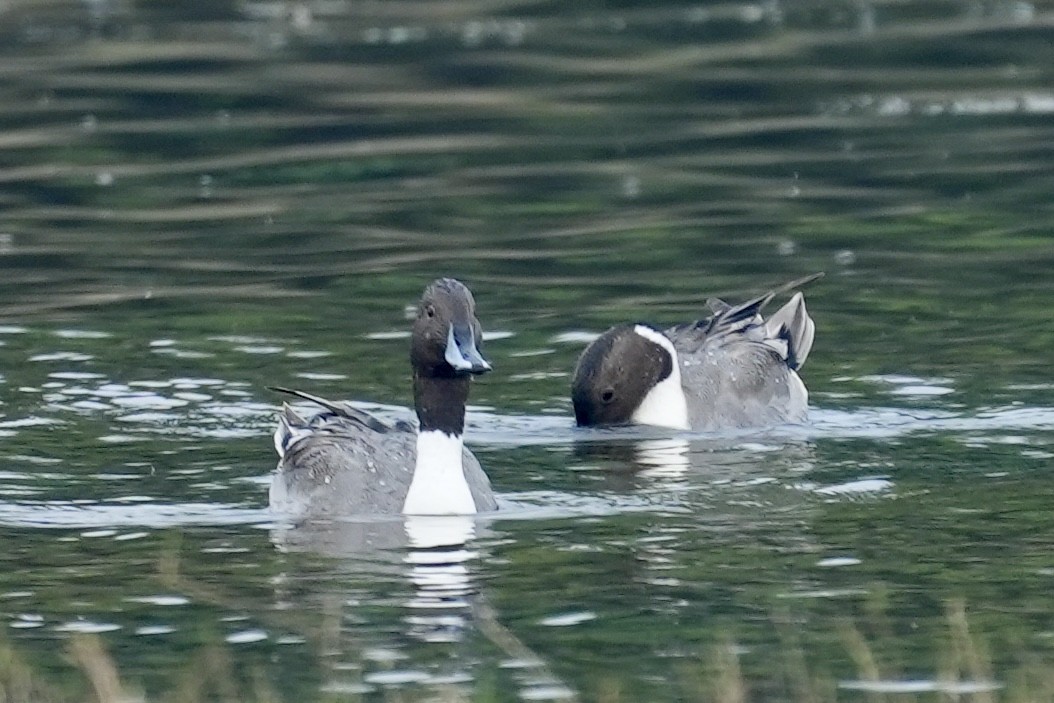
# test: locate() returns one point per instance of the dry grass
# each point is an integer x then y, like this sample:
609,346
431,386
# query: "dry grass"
209,675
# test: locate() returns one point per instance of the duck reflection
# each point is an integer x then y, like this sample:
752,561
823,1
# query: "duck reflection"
427,567
665,459
677,472
438,558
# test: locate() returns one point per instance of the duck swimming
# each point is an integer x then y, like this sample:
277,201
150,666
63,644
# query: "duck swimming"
731,370
343,461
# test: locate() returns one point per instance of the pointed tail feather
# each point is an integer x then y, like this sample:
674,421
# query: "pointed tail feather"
340,409
337,408
797,283
730,316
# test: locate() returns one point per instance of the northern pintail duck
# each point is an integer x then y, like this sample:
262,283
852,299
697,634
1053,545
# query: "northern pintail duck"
733,369
343,461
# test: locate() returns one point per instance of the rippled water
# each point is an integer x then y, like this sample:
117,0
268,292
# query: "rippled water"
204,199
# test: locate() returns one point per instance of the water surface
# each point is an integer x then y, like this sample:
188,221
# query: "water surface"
203,199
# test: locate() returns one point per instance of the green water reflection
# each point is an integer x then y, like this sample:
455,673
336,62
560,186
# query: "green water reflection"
201,200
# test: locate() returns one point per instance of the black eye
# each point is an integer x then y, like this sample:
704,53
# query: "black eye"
608,395
430,311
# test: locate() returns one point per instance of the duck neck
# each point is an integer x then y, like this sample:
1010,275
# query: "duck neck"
665,404
438,486
440,402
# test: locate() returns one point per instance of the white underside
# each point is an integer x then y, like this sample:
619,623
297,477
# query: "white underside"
665,404
439,486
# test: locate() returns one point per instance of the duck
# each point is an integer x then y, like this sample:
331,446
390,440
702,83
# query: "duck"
731,370
343,461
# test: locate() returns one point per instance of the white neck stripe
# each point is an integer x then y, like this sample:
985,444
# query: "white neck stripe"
656,337
665,404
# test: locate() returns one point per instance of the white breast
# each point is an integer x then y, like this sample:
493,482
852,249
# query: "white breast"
439,486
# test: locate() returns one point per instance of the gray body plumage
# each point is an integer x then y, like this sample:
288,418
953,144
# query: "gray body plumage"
738,370
343,461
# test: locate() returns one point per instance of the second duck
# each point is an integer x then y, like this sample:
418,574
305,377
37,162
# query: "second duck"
733,369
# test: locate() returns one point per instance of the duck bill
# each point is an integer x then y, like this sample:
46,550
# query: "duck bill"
461,352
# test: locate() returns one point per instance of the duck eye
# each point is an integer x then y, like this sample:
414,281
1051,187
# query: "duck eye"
607,395
430,311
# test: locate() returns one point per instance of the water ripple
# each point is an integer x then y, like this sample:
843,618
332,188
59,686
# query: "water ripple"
67,514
